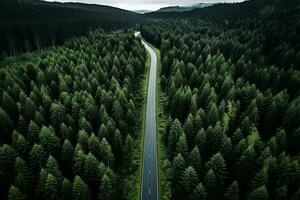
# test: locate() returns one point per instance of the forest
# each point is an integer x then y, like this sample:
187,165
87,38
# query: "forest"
68,119
233,104
71,110
35,25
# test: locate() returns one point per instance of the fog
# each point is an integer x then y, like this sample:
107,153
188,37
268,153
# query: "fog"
146,4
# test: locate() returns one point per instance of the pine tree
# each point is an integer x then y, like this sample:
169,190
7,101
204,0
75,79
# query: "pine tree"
212,116
210,184
24,177
94,146
189,130
28,109
57,115
218,166
246,166
260,193
195,159
175,132
260,179
83,140
49,141
106,188
232,192
182,146
33,132
37,157
15,194
199,193
91,171
66,189
67,157
128,149
177,170
80,190
117,145
292,116
200,140
106,152
6,126
10,106
51,188
20,144
189,180
52,168
7,160
39,192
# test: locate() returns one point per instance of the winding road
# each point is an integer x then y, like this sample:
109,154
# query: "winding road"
149,189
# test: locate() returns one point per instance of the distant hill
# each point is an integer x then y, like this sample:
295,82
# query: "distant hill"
184,8
30,25
141,11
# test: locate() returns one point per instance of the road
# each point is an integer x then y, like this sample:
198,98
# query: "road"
149,190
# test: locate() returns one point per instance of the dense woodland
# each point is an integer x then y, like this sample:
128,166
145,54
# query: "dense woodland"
233,104
34,25
68,119
69,115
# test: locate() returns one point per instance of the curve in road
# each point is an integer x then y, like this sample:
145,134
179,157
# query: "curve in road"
149,190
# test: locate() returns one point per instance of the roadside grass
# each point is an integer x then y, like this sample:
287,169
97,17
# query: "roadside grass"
133,182
161,120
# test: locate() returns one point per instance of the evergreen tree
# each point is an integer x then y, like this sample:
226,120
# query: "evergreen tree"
195,160
232,192
57,115
182,146
218,166
6,125
51,188
106,152
49,141
210,184
106,188
15,194
260,193
199,193
53,168
67,154
128,149
80,190
175,132
24,177
10,106
37,157
189,179
66,189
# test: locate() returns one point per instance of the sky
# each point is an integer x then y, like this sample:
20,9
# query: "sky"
146,4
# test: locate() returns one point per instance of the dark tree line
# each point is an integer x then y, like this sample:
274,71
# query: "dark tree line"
233,106
34,25
68,120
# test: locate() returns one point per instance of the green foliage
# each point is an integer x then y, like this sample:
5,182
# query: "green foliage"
231,81
66,112
15,194
80,190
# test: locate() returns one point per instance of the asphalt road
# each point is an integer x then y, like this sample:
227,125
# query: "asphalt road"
149,190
